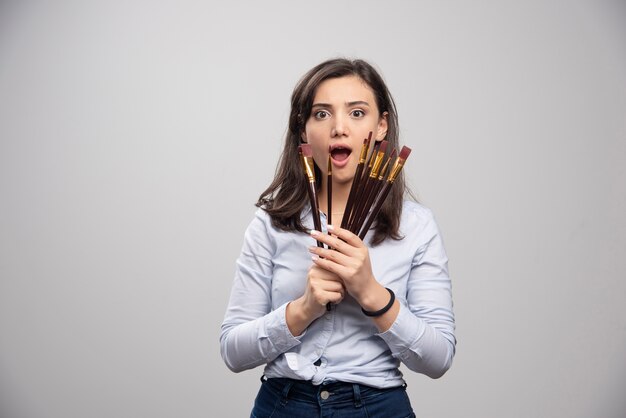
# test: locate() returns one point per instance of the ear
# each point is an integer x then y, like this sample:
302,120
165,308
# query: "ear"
303,137
382,126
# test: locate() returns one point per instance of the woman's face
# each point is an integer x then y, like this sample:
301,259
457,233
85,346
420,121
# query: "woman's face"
344,111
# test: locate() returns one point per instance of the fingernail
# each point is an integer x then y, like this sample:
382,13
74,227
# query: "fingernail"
314,233
330,227
315,257
312,249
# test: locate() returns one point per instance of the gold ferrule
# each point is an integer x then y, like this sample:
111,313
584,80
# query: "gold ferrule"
384,169
377,163
395,170
364,149
330,167
308,168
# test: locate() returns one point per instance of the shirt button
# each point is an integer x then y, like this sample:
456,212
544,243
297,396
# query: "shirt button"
324,394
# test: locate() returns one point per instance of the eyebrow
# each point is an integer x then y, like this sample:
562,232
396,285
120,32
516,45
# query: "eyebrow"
349,104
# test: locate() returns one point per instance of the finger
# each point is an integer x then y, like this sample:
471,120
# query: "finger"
332,287
330,265
325,287
332,255
346,236
317,272
335,297
326,280
325,295
333,242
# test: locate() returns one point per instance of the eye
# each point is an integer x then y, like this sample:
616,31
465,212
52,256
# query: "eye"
358,113
321,114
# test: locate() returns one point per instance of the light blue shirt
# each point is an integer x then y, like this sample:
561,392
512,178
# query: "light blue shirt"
272,271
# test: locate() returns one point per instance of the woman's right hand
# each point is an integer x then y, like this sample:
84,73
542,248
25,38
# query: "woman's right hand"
322,287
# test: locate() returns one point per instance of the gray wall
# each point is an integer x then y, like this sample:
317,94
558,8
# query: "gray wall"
122,208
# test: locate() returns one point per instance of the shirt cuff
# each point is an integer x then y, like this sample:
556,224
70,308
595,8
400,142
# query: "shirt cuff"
404,333
278,332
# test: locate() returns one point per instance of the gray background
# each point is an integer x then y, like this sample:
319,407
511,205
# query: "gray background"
135,137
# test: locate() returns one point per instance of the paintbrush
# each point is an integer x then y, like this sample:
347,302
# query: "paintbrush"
370,159
361,208
307,163
383,173
395,171
381,177
377,186
362,178
329,190
355,181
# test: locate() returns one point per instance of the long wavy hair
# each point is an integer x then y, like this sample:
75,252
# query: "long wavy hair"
286,196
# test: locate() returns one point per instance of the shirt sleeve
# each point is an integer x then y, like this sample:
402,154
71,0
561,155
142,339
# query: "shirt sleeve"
422,336
252,334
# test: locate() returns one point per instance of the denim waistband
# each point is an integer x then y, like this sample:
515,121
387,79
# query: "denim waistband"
327,393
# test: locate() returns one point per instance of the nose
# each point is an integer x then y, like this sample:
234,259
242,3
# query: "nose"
339,128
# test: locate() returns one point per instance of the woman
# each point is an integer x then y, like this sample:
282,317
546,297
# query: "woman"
389,295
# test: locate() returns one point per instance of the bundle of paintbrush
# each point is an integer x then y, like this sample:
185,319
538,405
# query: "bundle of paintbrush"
371,185
372,182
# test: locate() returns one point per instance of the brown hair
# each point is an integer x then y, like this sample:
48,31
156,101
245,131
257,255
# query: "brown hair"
286,196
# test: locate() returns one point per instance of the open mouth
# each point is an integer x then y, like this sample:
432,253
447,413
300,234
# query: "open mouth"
340,153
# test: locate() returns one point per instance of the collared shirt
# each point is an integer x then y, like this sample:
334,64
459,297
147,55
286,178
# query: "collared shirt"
343,344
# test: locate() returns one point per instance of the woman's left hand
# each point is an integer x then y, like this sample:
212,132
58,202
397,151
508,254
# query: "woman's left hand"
348,258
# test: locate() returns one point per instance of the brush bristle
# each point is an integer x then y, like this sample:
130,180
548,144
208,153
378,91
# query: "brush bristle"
306,150
299,149
383,146
404,154
393,154
369,137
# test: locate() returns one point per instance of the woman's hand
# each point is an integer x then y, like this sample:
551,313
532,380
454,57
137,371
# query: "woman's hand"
349,259
322,287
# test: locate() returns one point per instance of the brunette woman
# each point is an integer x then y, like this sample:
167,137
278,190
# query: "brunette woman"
390,294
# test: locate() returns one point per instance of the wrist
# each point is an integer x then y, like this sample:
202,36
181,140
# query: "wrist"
296,317
374,298
303,311
382,311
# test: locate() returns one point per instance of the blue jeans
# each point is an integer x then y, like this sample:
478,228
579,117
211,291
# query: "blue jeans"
288,398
